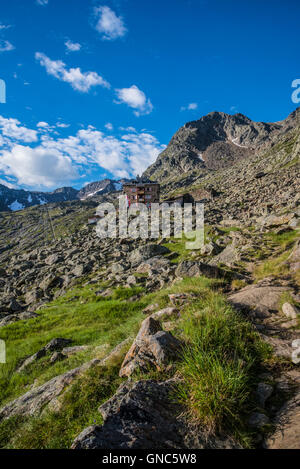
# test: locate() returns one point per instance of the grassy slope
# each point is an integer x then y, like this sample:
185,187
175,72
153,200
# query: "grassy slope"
220,362
227,341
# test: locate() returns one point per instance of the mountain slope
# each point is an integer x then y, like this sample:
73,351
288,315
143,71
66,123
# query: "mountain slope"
17,199
216,141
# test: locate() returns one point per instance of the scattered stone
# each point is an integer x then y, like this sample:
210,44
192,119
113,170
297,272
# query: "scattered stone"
150,308
164,313
289,324
57,356
76,349
143,253
16,317
209,249
55,345
290,311
296,343
180,299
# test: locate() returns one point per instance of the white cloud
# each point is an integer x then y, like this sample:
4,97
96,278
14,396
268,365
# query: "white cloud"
62,125
109,25
42,2
136,99
189,107
42,159
7,184
4,26
37,166
109,126
43,125
78,80
13,129
72,46
6,46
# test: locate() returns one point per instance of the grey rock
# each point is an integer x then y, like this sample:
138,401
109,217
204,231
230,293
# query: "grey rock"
36,399
196,269
152,347
17,317
258,420
290,311
143,253
263,392
141,415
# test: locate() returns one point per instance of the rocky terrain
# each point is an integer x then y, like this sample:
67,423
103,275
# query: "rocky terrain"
131,343
217,141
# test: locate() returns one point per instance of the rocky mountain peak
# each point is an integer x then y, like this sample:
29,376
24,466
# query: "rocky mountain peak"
216,141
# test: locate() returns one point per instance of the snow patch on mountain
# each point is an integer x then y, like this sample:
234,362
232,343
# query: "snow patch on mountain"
16,206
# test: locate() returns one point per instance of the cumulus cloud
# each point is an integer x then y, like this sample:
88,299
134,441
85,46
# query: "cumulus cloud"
62,125
37,166
42,159
109,126
80,81
136,99
108,24
6,46
43,125
189,107
72,46
13,129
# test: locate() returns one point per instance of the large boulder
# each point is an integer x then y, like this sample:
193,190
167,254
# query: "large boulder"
157,264
142,415
196,269
229,256
152,347
143,253
261,300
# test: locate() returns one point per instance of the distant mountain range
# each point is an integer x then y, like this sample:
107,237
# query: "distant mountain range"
17,199
199,149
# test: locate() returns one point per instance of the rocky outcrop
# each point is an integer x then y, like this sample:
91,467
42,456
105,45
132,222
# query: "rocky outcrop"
141,415
33,402
215,141
259,299
287,423
55,345
152,347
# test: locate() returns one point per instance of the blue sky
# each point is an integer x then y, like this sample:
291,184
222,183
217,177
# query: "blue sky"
97,89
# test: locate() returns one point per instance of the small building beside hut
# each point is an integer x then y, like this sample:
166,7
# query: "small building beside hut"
180,200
